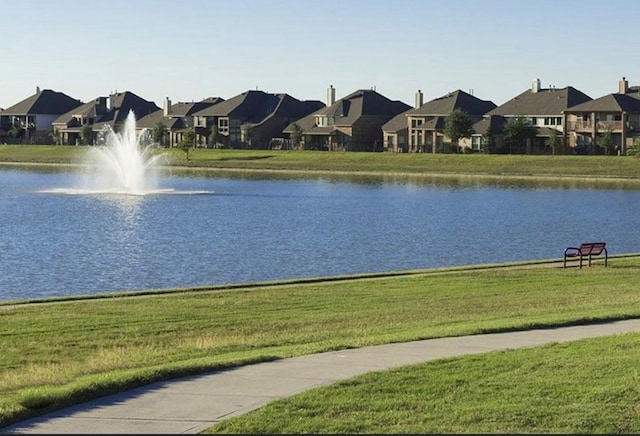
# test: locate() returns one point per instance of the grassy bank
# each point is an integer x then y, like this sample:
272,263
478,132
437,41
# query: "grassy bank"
57,353
364,163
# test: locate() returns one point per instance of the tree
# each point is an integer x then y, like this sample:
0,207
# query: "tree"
634,150
213,136
605,141
247,135
554,140
158,133
86,134
296,135
457,126
518,131
15,132
56,136
488,142
187,141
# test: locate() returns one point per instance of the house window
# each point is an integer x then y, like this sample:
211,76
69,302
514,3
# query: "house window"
617,117
475,142
223,126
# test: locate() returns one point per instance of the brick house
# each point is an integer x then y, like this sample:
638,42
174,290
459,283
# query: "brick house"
353,123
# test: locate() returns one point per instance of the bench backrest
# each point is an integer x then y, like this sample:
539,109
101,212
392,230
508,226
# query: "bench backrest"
594,248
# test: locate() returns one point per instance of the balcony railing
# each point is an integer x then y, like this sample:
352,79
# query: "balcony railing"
600,125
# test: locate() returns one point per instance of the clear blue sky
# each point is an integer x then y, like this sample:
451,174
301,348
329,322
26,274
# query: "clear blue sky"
192,49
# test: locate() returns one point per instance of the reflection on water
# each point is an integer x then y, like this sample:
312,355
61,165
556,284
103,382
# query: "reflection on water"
255,229
421,180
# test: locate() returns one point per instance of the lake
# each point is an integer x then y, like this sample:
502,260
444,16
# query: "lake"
241,230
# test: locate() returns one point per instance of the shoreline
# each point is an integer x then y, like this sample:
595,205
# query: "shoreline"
361,173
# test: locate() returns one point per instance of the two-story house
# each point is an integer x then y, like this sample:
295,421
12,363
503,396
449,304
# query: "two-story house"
98,115
31,120
251,119
177,119
614,115
426,122
353,123
544,108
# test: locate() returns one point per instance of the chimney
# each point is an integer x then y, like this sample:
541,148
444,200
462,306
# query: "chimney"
167,106
535,86
623,86
419,99
331,95
37,90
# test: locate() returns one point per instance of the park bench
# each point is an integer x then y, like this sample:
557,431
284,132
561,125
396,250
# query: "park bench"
586,250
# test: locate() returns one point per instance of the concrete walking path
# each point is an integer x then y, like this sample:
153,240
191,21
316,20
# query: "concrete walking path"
191,404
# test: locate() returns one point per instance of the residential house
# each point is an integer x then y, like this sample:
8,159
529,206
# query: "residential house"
31,119
98,115
395,131
176,119
488,135
426,122
544,108
608,124
251,119
353,123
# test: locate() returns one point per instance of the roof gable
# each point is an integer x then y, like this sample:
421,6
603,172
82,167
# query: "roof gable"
120,104
458,99
45,102
609,103
549,101
363,102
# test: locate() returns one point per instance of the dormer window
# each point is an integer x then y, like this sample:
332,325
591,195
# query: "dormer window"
324,120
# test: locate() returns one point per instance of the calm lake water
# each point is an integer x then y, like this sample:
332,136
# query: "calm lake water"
250,230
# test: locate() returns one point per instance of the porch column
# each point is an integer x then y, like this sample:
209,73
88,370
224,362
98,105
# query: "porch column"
434,141
594,133
623,134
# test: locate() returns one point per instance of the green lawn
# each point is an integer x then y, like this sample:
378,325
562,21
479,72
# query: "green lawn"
361,163
58,353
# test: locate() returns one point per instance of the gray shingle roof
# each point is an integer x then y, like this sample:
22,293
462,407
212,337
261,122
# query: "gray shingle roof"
121,104
629,103
458,99
92,109
347,110
492,123
256,107
397,123
45,102
544,102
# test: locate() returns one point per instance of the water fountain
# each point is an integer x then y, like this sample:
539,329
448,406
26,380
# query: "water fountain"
123,163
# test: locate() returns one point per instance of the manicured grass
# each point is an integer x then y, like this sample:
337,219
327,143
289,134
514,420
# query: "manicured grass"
585,387
363,163
58,353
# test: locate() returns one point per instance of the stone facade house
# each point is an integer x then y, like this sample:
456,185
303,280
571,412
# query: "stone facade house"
251,119
33,117
353,123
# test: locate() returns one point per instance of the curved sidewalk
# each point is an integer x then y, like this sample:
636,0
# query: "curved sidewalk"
192,404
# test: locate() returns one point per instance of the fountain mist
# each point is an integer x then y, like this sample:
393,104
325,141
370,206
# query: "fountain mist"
123,162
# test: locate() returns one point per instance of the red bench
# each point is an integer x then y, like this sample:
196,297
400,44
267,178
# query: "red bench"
586,250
